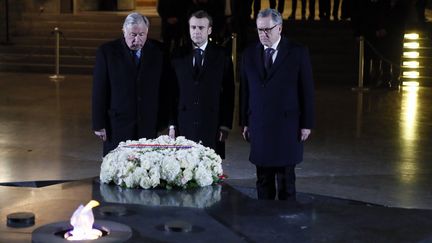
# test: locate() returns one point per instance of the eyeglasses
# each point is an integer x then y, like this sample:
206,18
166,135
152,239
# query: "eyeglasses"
266,30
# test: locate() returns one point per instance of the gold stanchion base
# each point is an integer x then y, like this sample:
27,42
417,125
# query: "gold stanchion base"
360,89
56,77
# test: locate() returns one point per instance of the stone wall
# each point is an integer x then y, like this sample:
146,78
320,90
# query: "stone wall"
15,12
145,3
87,5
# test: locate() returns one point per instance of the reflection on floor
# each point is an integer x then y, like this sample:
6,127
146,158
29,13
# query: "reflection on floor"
372,147
216,213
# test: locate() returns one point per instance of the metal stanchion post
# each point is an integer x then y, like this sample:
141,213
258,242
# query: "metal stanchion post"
236,79
392,82
234,53
57,76
361,66
359,116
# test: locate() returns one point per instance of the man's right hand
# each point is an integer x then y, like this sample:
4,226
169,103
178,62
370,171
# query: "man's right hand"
101,134
171,132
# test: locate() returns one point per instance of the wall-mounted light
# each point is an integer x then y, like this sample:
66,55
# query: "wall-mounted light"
411,54
410,64
411,36
411,45
410,83
411,74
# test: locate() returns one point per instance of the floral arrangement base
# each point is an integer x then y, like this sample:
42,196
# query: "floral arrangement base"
161,162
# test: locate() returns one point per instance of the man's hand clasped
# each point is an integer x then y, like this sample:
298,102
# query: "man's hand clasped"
304,134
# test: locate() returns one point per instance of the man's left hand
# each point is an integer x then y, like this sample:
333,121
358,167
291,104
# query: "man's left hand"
304,134
101,134
223,135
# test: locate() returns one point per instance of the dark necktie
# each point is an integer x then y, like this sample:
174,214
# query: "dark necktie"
268,58
198,60
136,58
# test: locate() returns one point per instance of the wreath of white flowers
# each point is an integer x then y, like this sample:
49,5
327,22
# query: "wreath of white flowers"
161,162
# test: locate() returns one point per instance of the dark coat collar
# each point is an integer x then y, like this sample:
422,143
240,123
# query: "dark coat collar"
284,50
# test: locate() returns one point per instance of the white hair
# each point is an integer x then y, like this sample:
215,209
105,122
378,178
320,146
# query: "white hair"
274,14
135,19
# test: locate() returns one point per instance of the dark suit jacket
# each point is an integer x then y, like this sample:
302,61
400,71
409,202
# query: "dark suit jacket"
276,106
125,97
205,102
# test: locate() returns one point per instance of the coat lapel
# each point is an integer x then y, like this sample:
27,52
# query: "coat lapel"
208,62
283,53
209,57
259,60
125,55
189,62
184,60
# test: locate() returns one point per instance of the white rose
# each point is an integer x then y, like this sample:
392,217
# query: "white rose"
170,169
202,176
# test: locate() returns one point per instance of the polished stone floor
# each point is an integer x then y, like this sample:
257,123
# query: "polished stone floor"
218,213
372,147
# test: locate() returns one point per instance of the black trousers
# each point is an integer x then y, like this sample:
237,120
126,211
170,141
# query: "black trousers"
270,177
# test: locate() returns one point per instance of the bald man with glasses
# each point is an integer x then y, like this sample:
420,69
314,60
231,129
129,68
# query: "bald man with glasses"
276,106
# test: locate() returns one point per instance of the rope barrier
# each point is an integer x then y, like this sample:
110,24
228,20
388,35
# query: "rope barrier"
79,54
9,57
381,59
381,56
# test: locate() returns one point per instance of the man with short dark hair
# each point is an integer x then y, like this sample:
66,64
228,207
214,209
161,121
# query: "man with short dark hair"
204,98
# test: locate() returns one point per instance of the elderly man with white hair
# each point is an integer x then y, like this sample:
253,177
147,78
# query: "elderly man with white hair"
126,84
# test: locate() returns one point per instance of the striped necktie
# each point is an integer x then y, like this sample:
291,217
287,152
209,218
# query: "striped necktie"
198,60
268,58
136,57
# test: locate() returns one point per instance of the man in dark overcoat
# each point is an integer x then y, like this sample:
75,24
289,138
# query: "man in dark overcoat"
204,84
277,106
126,84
